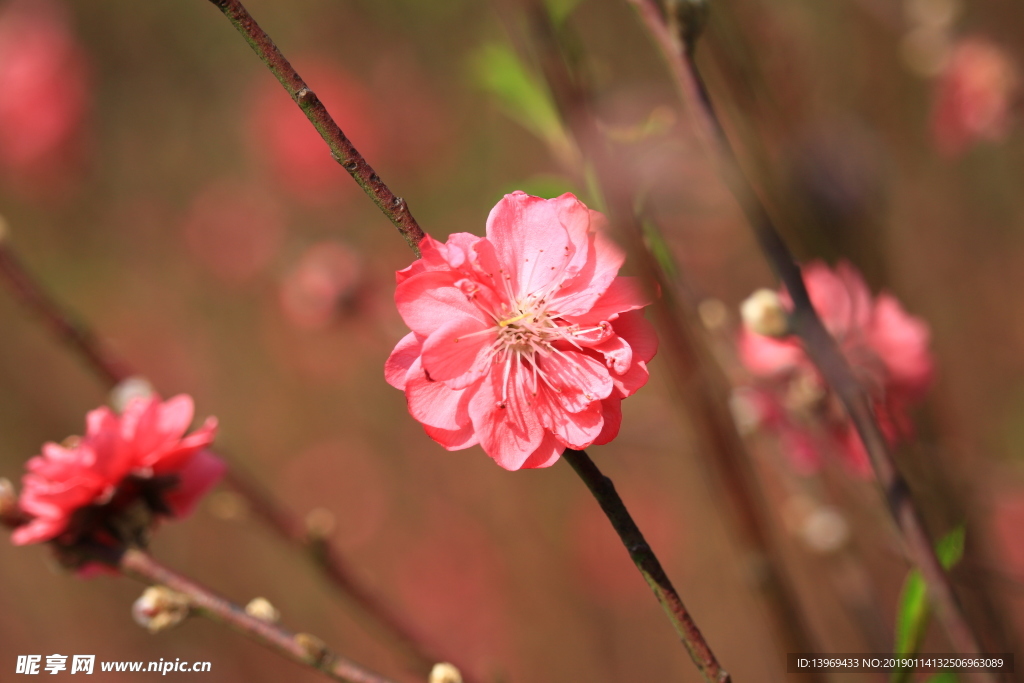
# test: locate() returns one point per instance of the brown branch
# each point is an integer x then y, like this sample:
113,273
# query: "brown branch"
113,370
341,148
700,383
647,562
821,347
301,648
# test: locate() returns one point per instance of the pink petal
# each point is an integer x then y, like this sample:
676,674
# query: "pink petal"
611,412
174,416
401,359
453,440
539,241
508,434
432,257
629,382
623,294
198,476
429,300
604,260
639,333
618,355
459,352
769,357
580,379
546,455
576,430
901,341
435,404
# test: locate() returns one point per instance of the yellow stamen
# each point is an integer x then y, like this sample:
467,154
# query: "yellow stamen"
506,323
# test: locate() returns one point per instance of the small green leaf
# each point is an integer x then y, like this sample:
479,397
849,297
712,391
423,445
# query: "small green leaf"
914,611
519,93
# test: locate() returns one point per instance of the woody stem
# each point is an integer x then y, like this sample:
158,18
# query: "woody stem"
112,370
678,51
302,648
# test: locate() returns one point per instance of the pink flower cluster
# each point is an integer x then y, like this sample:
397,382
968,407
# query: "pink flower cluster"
524,341
974,96
142,454
44,93
887,350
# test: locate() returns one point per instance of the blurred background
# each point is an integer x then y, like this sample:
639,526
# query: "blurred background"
160,183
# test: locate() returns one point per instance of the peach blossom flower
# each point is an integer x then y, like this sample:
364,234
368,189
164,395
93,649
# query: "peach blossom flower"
73,491
973,96
44,93
887,350
524,341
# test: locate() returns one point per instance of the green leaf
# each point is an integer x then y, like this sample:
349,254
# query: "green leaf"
559,10
944,677
519,93
914,611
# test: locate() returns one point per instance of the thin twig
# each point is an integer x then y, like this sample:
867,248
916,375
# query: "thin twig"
691,363
821,347
647,562
302,648
112,370
341,148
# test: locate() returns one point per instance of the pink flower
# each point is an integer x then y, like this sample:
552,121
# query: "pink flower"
524,341
887,350
44,92
74,491
973,96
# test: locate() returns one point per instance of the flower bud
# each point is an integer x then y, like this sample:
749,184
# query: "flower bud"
127,389
825,530
314,648
159,608
764,314
263,610
445,673
8,500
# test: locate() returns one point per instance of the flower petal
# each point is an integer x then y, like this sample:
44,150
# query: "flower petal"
459,352
200,474
546,455
429,300
401,359
504,417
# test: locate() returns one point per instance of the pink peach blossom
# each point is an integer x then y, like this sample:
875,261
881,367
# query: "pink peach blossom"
44,93
524,341
973,96
887,349
110,467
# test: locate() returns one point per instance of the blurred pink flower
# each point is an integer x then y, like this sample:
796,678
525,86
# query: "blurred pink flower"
322,285
887,350
296,152
524,341
234,230
44,93
973,96
71,490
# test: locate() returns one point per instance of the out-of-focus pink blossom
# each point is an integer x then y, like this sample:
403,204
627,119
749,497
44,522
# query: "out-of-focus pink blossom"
144,454
44,94
233,230
524,341
297,154
887,349
322,285
973,96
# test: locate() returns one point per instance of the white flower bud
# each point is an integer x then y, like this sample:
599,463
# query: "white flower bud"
445,673
764,314
159,608
126,390
263,610
825,530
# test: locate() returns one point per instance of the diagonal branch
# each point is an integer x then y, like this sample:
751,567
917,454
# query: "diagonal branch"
112,370
302,648
341,147
821,347
647,562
